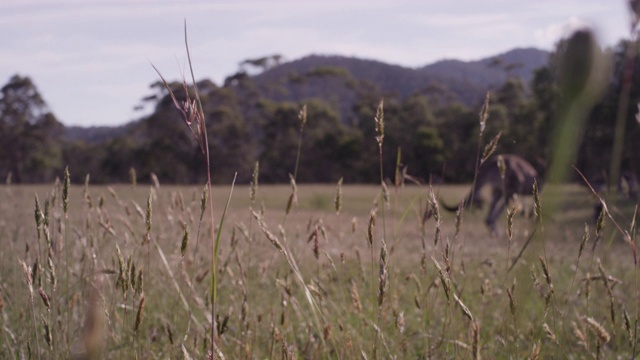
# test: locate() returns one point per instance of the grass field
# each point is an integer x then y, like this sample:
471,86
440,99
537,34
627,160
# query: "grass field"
114,278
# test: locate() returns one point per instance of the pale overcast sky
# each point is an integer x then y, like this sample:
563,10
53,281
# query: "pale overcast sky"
90,58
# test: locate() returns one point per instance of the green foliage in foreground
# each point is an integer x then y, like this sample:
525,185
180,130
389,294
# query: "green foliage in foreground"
113,278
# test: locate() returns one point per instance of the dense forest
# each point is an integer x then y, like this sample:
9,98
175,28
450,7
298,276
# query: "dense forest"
431,117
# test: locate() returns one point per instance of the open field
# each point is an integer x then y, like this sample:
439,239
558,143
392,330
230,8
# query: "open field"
111,279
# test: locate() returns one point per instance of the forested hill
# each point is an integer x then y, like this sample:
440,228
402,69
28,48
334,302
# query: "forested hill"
461,81
337,79
491,71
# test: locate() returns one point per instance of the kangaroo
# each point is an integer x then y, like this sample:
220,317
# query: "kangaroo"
519,177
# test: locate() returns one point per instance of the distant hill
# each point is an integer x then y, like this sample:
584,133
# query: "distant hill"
337,79
490,71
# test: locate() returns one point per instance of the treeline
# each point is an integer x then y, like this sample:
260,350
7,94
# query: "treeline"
434,134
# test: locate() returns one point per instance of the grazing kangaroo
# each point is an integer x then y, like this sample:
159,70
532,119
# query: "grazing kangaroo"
519,176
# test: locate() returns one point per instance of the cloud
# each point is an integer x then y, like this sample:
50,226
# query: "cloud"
551,34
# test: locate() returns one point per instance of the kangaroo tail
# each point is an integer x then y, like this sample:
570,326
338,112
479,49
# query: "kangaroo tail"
449,207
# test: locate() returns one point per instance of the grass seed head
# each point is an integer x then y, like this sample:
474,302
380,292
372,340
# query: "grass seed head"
45,299
535,352
185,241
372,224
27,275
549,333
537,207
254,182
598,329
579,333
379,120
465,310
490,148
293,197
37,213
338,198
203,201
484,113
139,314
545,270
383,273
48,336
148,217
512,302
65,191
355,297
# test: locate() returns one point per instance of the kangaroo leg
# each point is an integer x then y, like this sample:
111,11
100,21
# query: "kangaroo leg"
498,204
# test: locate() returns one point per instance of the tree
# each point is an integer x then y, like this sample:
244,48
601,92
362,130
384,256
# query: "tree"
29,133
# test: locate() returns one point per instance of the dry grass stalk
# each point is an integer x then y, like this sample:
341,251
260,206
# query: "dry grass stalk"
585,239
465,310
302,115
605,280
535,352
253,190
599,330
580,335
537,206
550,333
490,148
185,241
139,283
326,333
185,353
383,273
355,297
587,286
627,326
65,191
599,226
385,195
444,278
293,197
48,336
45,299
502,167
511,212
547,298
370,227
147,219
313,239
400,325
379,121
484,113
38,217
512,302
27,277
337,200
475,345
545,270
272,238
435,210
458,221
139,314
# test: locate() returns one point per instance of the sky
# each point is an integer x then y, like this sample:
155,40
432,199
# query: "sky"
91,59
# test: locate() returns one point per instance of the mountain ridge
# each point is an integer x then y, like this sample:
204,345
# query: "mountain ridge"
338,79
